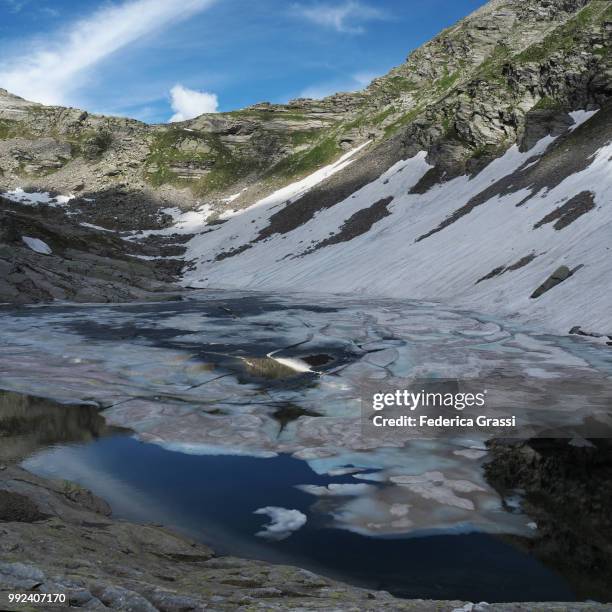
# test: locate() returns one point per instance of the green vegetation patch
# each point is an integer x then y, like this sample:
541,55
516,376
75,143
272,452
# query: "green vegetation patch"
13,129
299,164
165,152
384,115
564,37
491,68
447,81
398,85
226,171
402,121
303,137
5,130
485,150
266,115
546,103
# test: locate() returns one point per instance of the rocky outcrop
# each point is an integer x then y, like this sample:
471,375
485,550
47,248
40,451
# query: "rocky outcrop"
566,488
558,276
510,73
462,96
76,263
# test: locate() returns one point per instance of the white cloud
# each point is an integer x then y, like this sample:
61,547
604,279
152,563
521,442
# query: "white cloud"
283,522
59,66
188,103
353,83
344,17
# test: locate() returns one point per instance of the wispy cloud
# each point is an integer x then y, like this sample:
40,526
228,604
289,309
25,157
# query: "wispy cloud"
188,103
18,6
56,68
346,17
15,6
352,83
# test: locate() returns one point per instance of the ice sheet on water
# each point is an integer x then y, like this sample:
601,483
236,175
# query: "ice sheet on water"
283,522
176,374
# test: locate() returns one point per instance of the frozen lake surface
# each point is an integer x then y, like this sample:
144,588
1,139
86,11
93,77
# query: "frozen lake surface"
243,410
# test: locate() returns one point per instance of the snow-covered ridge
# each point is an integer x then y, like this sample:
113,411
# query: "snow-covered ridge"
490,259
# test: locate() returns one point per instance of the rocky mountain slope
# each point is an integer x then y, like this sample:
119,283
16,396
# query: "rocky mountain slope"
478,172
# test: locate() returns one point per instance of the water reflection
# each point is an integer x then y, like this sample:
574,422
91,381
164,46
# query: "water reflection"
28,424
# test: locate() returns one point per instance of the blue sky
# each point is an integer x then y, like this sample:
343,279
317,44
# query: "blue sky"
160,59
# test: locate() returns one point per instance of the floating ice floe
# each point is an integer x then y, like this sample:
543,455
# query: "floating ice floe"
437,487
283,522
472,607
337,490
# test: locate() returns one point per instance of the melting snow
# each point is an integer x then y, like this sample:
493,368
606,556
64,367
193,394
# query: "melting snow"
291,362
97,227
579,117
235,196
38,246
36,197
388,261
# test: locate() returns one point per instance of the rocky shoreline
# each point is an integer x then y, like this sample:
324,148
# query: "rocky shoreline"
59,538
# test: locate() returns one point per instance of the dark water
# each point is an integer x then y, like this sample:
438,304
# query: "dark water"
213,498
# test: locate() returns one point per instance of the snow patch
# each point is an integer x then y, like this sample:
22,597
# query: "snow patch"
290,362
580,116
34,198
38,246
337,490
97,227
235,196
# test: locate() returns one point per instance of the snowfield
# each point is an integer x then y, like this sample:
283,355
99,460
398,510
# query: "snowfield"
448,265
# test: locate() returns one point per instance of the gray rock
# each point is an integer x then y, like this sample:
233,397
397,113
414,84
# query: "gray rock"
118,598
561,274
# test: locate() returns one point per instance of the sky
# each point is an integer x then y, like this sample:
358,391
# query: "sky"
169,60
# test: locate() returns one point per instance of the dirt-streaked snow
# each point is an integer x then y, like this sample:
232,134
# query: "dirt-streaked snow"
388,260
34,198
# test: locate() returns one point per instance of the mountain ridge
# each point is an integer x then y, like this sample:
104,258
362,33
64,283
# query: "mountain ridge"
507,78
206,156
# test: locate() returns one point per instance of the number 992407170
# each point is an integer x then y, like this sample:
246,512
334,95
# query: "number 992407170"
29,599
